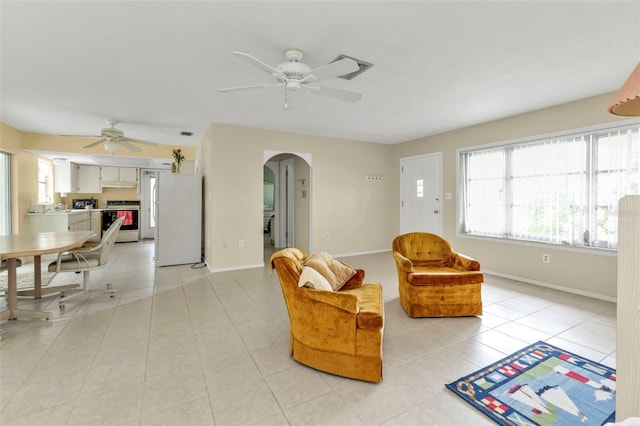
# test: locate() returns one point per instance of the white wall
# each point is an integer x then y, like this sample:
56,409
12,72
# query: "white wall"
302,206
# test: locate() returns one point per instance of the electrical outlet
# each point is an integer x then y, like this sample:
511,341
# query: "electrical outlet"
546,258
326,235
224,244
241,243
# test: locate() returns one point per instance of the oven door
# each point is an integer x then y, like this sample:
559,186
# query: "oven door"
130,219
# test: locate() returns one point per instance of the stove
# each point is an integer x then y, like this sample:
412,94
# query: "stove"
130,210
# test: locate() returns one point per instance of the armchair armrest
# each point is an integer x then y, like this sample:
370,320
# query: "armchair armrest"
403,262
464,263
344,301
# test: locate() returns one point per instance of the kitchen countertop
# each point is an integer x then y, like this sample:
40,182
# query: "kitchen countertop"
53,212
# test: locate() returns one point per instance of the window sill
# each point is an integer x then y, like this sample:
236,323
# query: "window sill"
579,249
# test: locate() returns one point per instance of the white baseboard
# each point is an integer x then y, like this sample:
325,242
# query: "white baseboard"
552,286
234,268
362,253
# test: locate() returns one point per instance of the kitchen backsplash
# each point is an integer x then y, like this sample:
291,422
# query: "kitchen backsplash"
106,194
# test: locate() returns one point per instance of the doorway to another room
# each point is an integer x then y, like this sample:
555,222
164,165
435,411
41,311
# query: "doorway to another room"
286,202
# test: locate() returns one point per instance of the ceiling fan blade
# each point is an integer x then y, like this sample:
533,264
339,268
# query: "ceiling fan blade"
129,146
334,69
94,143
129,140
253,86
345,95
258,63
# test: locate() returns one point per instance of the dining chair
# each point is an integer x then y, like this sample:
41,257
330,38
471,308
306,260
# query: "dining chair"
4,264
85,259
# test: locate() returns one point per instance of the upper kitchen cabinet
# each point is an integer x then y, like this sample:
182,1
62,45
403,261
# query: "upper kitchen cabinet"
119,177
89,179
65,176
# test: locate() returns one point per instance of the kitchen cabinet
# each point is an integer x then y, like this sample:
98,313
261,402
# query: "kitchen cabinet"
119,177
128,174
65,176
89,179
58,222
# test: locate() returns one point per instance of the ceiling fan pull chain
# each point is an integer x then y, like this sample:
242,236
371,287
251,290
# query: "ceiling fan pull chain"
286,98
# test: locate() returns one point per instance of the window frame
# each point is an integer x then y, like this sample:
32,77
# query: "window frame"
509,145
6,226
45,187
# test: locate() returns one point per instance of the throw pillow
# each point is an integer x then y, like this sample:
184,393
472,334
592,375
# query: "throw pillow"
313,279
335,271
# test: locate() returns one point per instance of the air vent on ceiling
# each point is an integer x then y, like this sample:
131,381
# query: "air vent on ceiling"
362,67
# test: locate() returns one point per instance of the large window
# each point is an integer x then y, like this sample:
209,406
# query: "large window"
561,190
45,195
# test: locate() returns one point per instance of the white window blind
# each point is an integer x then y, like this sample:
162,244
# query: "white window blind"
562,190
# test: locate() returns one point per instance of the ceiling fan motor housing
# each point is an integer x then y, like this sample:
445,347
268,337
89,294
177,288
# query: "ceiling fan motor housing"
293,70
112,133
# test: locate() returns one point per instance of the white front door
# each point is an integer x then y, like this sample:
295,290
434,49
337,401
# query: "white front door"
421,203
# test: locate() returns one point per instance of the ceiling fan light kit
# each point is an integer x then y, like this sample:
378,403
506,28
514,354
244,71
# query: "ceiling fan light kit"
294,76
111,146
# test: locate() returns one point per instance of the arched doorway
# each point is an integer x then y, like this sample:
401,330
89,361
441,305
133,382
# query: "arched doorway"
286,201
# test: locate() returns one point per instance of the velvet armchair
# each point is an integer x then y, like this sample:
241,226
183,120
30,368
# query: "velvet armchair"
339,332
434,280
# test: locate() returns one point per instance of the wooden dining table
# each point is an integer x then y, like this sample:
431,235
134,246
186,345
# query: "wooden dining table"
14,246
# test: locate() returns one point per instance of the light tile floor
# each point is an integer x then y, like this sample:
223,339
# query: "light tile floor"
179,345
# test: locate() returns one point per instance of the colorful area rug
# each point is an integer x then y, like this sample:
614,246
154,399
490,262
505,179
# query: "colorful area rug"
542,385
24,280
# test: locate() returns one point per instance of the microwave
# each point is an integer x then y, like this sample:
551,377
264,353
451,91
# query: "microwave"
81,204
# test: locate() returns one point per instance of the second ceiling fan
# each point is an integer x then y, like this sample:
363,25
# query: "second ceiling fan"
294,76
113,139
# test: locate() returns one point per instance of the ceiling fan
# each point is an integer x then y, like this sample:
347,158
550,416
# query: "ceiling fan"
294,76
114,138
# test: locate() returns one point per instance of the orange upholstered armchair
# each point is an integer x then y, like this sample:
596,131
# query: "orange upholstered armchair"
336,331
434,280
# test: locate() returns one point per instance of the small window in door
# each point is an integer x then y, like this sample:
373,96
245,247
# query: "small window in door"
420,188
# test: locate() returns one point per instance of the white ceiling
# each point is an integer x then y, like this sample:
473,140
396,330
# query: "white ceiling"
156,66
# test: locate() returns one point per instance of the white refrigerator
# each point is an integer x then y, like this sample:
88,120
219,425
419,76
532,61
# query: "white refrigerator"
178,215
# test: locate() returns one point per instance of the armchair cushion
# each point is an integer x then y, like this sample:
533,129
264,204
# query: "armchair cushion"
336,272
369,301
311,278
355,281
444,276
